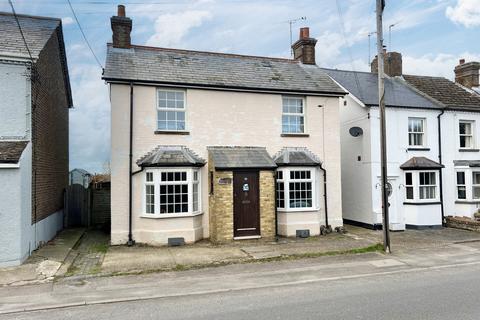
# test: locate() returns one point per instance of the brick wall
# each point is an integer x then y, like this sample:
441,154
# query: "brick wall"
101,205
49,133
267,204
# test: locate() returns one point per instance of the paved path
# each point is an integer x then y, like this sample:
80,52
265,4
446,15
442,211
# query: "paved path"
244,280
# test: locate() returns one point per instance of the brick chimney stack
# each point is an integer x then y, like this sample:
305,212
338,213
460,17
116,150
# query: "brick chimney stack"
392,64
467,74
121,28
304,47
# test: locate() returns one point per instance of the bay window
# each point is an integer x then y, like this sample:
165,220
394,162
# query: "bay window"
296,189
172,192
421,186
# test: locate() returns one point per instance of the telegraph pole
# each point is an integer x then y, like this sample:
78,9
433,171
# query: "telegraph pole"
383,139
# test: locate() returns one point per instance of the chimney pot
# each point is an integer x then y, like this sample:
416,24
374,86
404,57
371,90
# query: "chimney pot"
461,61
121,10
304,33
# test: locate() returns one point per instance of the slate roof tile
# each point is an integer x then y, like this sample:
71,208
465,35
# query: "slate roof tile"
364,86
418,163
170,156
208,69
290,156
241,157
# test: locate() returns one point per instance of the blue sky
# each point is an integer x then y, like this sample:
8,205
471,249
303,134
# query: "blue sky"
431,34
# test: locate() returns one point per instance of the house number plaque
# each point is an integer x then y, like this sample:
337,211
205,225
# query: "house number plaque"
225,181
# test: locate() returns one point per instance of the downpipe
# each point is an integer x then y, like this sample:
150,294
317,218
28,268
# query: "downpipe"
440,161
130,241
325,229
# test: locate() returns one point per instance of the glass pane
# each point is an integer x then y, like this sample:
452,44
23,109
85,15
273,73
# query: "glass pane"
461,193
476,178
149,176
409,191
462,142
162,95
460,177
408,178
476,192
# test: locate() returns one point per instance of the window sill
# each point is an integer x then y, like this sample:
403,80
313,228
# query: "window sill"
172,132
422,203
286,135
468,150
170,215
296,210
467,201
418,149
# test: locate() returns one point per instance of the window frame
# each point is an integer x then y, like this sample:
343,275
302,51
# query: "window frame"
314,176
475,185
166,109
459,185
157,183
471,135
423,132
303,114
416,186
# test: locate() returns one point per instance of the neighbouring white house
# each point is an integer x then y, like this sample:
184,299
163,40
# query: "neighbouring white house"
432,148
220,146
35,99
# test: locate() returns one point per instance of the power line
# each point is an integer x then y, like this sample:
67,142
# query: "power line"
20,29
83,34
342,27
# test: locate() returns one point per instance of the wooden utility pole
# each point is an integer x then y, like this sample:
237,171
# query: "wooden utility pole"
383,139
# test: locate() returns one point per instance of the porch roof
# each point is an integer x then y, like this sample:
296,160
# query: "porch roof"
421,163
234,157
11,151
291,156
171,156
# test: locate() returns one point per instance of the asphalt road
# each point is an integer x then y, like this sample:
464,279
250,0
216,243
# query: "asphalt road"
448,293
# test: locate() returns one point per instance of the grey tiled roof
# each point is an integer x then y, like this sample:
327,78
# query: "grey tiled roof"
37,31
364,86
445,91
207,69
296,156
418,163
170,156
241,157
11,151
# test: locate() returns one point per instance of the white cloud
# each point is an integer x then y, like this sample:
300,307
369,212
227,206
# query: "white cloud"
465,12
171,28
67,20
440,65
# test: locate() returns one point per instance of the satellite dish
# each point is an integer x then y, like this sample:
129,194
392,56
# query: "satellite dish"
355,131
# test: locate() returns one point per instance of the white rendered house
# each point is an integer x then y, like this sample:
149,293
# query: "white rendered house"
431,175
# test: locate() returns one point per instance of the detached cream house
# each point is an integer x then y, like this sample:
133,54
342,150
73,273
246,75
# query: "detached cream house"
220,146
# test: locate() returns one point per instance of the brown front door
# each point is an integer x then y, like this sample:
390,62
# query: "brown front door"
246,213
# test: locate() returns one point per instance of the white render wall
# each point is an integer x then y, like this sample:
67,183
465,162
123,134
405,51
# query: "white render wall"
450,152
213,118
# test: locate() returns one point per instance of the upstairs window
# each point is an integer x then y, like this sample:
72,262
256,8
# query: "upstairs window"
171,110
416,132
465,129
293,115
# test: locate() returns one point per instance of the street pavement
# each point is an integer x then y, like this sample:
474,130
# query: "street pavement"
429,283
